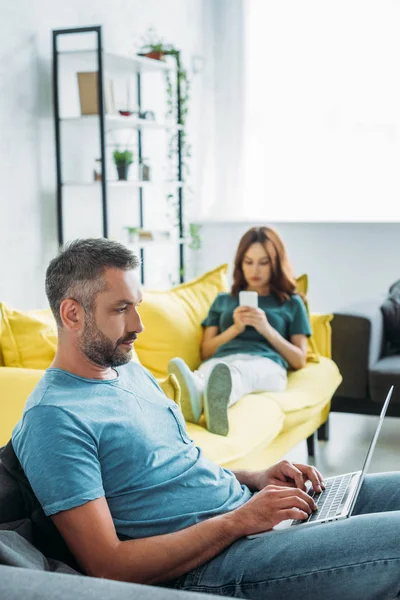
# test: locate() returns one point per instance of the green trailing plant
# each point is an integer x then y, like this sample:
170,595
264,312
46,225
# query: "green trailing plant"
195,242
123,158
153,43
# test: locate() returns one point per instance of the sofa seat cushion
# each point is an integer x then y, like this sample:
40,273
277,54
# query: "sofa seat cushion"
311,386
296,419
308,393
385,373
16,551
254,422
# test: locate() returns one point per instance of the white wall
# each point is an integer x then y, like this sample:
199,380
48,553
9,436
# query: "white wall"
322,117
27,166
346,262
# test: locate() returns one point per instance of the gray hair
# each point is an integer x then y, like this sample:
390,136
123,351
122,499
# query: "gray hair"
77,272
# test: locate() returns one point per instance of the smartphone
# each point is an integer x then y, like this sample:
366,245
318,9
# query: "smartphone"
248,299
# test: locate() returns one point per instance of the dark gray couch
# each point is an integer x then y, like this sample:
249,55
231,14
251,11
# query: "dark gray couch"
27,584
367,365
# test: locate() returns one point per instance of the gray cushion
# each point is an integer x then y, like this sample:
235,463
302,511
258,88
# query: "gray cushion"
17,584
24,527
11,502
16,551
385,373
18,503
391,317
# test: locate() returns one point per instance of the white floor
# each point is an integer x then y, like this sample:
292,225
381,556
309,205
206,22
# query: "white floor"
350,437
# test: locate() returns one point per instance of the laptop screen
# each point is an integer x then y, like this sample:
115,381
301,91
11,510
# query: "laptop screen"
372,447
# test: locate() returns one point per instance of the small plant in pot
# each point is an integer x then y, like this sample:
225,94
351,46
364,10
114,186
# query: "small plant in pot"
156,52
122,161
133,234
153,47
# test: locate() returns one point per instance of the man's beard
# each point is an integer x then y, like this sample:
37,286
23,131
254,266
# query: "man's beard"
101,350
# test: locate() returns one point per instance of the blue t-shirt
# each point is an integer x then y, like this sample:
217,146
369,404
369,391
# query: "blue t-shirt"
80,439
288,318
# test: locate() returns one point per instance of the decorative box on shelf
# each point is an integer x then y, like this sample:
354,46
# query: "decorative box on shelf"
137,235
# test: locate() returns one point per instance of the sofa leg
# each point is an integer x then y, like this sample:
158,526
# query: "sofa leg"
323,431
311,445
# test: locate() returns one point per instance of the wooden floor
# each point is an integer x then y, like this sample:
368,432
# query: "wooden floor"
350,437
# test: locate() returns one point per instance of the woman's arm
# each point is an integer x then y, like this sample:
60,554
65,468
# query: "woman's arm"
294,351
212,339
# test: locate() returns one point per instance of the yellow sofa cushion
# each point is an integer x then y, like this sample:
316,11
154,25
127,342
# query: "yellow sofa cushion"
312,348
15,387
254,422
258,419
309,386
172,321
28,339
322,333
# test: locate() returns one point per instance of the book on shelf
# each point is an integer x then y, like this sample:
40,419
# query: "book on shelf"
88,93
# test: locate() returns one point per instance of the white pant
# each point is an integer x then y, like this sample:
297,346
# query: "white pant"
250,373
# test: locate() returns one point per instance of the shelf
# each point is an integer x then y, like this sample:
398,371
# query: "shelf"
123,184
120,122
74,51
137,64
145,244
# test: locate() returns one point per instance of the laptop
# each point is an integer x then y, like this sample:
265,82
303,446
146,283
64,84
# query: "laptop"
338,499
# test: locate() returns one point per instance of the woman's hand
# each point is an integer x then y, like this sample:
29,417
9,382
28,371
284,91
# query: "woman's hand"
238,323
256,317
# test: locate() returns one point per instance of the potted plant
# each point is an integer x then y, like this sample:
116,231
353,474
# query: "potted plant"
156,52
122,161
133,234
153,47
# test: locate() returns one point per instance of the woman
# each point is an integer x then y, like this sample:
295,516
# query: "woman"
247,349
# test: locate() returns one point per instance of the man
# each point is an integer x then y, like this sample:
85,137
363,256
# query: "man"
109,458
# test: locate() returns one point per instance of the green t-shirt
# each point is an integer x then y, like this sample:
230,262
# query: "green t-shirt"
289,318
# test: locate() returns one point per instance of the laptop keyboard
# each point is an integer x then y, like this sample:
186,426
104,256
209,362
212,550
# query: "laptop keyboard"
329,500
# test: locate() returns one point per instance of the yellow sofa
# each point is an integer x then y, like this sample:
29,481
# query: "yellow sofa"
262,426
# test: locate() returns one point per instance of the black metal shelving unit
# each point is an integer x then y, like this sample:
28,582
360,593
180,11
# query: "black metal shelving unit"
99,50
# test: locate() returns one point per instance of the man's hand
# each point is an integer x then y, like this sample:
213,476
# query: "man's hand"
293,475
270,506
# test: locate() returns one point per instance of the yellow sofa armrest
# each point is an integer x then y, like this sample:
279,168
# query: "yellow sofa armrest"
322,333
15,386
170,387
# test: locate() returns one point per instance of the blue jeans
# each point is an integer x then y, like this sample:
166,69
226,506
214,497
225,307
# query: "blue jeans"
354,559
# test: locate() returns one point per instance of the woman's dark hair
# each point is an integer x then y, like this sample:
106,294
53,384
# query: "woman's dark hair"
282,283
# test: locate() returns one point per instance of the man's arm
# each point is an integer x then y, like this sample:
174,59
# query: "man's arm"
249,478
90,533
